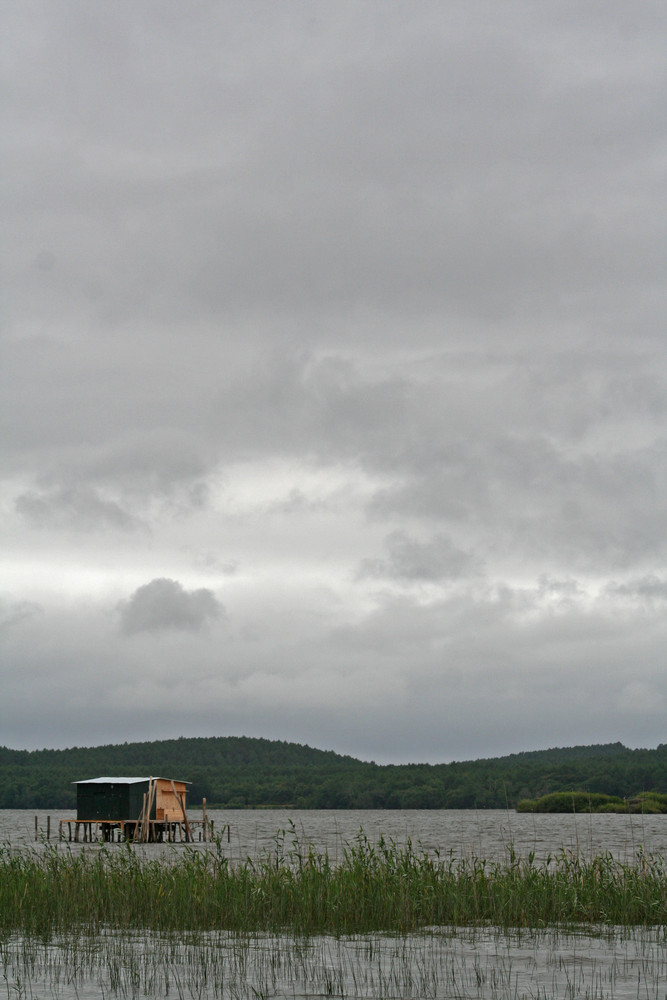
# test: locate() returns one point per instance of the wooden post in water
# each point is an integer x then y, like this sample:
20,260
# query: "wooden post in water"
152,788
48,828
188,834
36,833
139,830
203,818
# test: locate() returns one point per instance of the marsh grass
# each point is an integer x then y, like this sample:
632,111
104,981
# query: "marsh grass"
375,887
475,963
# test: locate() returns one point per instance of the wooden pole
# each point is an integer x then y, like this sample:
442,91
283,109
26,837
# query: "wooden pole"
139,828
48,828
152,787
203,817
36,833
147,818
185,818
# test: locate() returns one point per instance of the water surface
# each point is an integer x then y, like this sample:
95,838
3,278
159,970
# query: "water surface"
481,964
469,964
484,834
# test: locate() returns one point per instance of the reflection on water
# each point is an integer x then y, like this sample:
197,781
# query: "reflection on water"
443,963
485,834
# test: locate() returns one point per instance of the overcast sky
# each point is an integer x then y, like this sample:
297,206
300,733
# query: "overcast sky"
334,372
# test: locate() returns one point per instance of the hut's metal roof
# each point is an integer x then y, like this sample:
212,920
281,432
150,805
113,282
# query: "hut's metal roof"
126,781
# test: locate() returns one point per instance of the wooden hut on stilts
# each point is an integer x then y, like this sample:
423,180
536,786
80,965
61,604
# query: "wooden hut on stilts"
143,810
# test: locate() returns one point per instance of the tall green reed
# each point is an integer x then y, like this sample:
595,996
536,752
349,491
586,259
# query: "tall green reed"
375,887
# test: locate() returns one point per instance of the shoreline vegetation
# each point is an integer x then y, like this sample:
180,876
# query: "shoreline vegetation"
376,887
249,773
647,803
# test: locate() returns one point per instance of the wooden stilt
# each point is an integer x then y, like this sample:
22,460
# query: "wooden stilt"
188,834
166,830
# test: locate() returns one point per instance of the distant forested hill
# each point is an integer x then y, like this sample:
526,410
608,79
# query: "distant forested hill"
239,772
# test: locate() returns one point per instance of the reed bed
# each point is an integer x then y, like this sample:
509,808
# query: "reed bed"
475,964
376,887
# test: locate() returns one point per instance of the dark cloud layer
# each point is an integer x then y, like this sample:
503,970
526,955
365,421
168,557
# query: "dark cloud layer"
343,326
79,508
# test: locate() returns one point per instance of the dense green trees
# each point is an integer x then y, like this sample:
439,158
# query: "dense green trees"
239,772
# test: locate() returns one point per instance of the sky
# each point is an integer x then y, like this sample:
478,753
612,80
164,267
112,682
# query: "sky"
334,374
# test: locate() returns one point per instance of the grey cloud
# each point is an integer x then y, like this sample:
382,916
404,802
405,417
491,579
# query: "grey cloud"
565,593
132,418
12,613
581,509
530,416
396,178
483,671
650,589
411,560
79,508
296,502
155,460
295,403
323,290
209,562
164,604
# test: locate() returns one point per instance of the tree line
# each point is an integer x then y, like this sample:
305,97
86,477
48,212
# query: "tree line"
242,772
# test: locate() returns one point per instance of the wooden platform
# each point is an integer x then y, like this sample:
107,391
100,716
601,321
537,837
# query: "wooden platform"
154,832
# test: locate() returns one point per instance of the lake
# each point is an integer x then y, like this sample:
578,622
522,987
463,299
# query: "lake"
483,834
440,963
